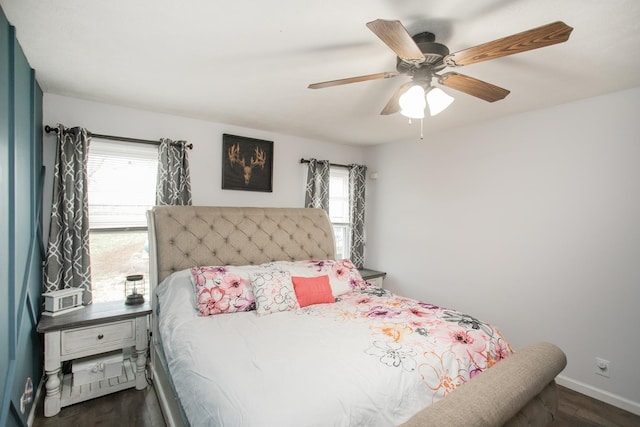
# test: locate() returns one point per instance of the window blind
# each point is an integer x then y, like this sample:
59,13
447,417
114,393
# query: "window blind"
122,183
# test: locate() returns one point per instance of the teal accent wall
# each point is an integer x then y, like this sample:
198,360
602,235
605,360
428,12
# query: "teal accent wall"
20,227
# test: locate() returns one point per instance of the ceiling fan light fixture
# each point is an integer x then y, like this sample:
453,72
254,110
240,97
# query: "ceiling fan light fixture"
413,102
438,100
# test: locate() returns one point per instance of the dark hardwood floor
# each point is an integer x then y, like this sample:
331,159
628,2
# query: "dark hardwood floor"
124,408
576,409
140,408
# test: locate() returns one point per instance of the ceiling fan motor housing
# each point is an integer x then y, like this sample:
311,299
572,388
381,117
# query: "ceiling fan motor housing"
433,53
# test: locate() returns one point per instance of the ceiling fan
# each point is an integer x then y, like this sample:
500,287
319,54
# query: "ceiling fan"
423,59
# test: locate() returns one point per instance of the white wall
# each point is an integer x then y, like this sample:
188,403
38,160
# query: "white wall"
205,158
531,223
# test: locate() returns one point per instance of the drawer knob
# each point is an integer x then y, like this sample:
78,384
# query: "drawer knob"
100,336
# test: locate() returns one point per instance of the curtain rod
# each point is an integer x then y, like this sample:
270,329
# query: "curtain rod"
337,165
50,129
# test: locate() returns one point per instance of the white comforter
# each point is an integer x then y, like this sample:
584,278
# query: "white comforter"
357,362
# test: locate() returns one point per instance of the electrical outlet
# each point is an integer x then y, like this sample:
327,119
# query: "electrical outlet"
602,367
27,396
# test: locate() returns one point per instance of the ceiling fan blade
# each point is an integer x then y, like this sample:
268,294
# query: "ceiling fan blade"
330,83
474,87
547,35
393,105
397,38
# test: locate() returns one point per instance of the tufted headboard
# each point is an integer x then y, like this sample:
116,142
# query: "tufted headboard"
182,237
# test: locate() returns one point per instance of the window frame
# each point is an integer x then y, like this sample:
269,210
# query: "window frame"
103,288
343,174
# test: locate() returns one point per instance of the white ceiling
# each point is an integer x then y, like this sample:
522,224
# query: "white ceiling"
248,62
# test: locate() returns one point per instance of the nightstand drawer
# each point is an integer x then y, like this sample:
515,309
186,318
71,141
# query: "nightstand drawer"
100,337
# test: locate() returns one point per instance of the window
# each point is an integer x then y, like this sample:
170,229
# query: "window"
122,187
339,210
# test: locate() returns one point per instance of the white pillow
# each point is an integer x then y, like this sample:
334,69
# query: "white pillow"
343,275
273,291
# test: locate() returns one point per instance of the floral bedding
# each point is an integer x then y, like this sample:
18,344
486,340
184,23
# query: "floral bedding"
445,347
372,358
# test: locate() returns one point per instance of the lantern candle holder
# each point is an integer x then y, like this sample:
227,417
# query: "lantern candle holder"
134,287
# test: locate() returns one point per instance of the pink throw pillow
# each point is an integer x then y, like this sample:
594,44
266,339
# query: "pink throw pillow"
313,290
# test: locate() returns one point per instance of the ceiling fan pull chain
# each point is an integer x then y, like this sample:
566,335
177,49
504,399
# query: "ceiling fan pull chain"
421,126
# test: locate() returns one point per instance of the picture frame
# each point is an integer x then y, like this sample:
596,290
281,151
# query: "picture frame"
247,164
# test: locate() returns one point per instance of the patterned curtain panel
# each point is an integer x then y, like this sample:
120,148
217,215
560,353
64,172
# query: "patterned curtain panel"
317,191
67,263
357,176
174,181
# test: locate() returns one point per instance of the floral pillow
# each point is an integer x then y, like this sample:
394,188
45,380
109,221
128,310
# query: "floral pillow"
223,289
343,275
273,290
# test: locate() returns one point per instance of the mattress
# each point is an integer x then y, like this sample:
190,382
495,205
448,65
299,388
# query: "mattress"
372,358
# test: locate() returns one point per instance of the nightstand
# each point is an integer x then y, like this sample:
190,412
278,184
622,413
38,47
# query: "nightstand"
374,277
95,329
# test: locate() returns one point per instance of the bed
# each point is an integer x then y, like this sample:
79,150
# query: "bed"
256,323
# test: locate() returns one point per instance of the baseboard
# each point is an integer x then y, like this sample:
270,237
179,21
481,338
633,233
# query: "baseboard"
596,393
32,412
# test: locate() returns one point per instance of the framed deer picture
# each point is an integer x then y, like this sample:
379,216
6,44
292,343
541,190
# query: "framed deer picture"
247,163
